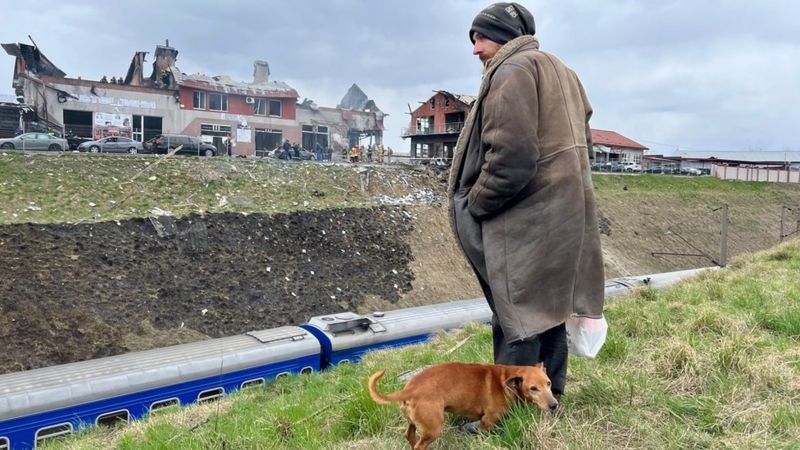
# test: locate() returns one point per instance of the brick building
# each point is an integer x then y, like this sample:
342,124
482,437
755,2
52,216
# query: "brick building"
254,116
436,123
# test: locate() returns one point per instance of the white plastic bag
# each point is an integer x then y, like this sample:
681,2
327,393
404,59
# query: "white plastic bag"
585,336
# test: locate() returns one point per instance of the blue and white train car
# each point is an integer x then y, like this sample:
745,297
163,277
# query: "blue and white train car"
45,403
345,337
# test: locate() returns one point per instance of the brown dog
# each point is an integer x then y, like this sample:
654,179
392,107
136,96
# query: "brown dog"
476,391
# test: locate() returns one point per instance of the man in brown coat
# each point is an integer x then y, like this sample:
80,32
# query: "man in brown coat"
521,195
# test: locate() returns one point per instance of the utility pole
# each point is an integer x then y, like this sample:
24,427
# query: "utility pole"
723,252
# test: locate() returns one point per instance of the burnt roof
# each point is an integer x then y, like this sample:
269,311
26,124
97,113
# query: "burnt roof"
35,61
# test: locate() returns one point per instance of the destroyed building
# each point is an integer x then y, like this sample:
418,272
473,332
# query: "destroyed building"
250,117
436,124
356,120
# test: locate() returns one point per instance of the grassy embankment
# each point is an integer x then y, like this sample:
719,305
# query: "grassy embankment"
711,363
91,188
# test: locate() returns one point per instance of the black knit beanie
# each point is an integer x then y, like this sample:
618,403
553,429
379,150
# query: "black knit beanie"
502,22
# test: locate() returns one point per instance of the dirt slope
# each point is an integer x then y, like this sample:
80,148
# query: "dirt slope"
71,292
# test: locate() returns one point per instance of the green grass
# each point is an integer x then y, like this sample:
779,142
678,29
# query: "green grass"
73,187
711,363
663,183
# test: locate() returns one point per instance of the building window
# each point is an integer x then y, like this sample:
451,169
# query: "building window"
260,107
199,100
433,103
275,108
313,135
217,102
267,139
424,124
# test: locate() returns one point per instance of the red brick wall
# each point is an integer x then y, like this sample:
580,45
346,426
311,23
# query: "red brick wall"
438,112
237,104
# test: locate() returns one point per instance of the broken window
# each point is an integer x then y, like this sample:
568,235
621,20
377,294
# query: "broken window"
217,102
199,100
313,135
260,107
267,139
433,103
275,108
424,124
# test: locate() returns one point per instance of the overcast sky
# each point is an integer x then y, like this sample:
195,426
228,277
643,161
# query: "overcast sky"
718,75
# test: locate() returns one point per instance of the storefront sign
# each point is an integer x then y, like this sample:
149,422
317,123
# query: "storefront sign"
243,134
111,101
113,120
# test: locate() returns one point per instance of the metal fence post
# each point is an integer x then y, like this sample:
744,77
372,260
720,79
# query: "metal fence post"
723,257
783,220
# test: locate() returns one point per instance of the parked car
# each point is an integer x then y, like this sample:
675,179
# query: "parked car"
34,141
632,167
615,167
163,143
111,144
304,154
690,171
73,142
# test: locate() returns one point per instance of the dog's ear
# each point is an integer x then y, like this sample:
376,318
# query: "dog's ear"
514,382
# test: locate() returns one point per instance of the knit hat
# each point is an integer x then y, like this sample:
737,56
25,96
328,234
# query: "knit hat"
502,22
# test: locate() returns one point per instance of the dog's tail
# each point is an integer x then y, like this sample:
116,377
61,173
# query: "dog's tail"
377,396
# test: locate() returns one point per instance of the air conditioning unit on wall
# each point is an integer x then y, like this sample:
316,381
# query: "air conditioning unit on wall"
249,100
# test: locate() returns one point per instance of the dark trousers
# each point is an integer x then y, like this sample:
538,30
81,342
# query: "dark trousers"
548,347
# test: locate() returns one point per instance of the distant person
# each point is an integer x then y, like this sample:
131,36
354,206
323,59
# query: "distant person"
354,154
521,195
380,154
287,148
318,151
389,153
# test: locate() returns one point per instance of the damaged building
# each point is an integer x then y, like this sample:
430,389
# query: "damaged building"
356,120
436,124
253,117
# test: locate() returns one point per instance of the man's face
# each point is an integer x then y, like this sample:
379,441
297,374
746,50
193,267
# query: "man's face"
484,48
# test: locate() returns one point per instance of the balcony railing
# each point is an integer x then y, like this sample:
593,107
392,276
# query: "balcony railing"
440,128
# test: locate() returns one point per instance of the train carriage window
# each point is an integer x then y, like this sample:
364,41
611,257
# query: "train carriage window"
114,418
307,370
210,395
282,375
161,404
53,432
252,383
4,443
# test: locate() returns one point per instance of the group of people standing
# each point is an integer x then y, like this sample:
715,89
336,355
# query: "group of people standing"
364,153
371,153
294,151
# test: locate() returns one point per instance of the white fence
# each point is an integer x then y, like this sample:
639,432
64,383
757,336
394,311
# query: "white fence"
756,174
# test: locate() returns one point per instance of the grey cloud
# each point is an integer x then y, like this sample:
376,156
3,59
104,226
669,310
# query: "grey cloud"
715,74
